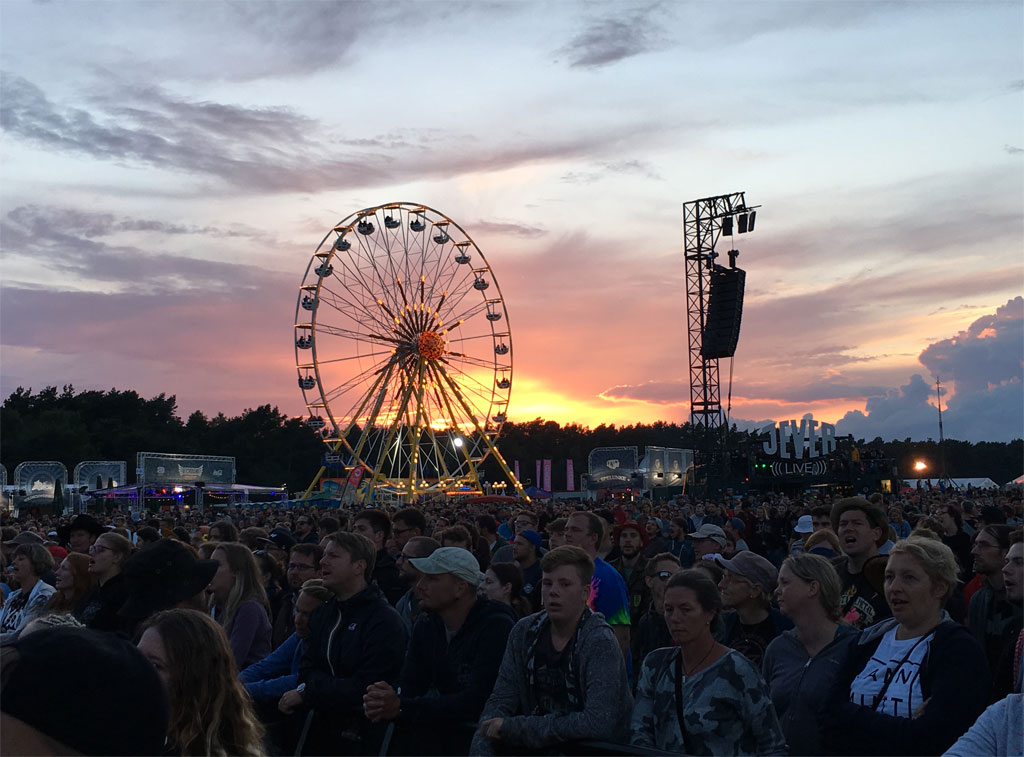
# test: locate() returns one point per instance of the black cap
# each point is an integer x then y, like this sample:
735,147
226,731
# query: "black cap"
281,538
85,522
129,718
162,575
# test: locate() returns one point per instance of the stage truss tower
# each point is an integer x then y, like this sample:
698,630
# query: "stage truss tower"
703,222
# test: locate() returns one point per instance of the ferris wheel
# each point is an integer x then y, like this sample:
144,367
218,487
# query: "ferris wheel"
404,352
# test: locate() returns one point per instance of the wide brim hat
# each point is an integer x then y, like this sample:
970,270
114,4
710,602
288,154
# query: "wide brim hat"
25,537
85,522
160,576
876,517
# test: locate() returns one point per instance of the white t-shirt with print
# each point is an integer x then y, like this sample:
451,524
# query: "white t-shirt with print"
901,661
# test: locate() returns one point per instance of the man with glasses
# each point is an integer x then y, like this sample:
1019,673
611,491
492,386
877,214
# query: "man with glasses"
407,524
303,564
523,521
993,618
749,622
306,530
651,632
409,605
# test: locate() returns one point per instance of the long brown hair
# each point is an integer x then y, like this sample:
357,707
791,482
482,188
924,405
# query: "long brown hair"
82,582
210,713
248,583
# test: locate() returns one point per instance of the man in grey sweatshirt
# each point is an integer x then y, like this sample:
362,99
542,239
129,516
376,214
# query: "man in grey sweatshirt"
561,678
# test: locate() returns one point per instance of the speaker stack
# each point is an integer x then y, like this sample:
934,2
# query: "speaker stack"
725,309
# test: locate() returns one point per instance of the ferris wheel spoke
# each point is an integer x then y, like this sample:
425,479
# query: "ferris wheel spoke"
455,302
472,309
347,386
471,360
469,377
352,357
353,308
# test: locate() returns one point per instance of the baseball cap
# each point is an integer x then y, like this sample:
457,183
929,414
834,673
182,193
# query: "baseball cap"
753,567
281,538
25,537
531,536
804,525
460,562
710,531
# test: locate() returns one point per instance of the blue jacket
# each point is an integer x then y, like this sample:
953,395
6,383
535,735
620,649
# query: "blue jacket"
276,673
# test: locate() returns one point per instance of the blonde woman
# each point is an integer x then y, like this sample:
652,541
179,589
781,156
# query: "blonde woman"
911,684
801,664
240,603
209,711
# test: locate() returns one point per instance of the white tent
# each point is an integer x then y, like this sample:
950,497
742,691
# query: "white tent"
1019,481
959,483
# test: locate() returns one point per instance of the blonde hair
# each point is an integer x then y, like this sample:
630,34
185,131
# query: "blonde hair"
810,568
315,588
209,710
248,583
936,558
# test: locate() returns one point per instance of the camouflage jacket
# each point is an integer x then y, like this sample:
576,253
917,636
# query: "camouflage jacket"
726,707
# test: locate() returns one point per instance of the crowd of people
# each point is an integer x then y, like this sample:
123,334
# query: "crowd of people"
752,625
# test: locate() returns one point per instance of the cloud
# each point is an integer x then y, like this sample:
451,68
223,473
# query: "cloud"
276,149
1010,149
988,353
612,39
606,169
984,364
507,229
70,243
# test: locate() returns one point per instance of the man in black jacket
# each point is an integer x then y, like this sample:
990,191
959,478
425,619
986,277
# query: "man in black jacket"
354,640
375,525
455,653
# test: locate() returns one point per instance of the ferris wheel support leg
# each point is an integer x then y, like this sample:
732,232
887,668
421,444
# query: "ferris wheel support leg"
378,474
319,475
382,381
465,449
494,450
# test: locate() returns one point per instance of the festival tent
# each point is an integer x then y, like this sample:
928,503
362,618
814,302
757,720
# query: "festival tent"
1019,481
959,483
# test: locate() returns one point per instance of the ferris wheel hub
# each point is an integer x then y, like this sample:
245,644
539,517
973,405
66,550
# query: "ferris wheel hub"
430,345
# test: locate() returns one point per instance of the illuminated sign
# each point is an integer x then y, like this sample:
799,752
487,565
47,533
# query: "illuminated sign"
798,440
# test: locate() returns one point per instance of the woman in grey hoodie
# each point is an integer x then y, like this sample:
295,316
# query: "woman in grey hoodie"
802,664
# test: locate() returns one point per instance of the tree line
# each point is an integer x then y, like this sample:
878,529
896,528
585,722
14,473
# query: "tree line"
271,448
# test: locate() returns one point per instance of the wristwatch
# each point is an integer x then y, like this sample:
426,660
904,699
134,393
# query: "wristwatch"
301,690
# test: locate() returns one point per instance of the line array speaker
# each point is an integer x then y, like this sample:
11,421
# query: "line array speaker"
725,310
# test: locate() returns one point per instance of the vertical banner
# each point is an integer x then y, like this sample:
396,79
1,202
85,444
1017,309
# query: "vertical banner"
570,485
536,479
515,469
547,476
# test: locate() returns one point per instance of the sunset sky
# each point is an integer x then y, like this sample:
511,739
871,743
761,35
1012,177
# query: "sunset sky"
169,169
